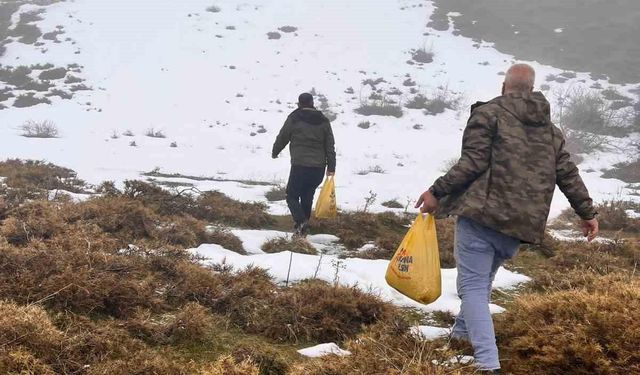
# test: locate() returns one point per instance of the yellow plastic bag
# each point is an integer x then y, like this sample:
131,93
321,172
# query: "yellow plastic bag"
326,207
414,270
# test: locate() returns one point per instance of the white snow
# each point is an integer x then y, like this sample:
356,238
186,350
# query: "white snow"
572,235
252,240
633,214
558,30
163,66
363,273
324,350
429,332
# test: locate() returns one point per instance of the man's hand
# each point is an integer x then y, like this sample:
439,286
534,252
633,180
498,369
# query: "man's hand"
428,202
590,228
331,174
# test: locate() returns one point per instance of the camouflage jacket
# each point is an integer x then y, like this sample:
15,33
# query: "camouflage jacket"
311,139
512,158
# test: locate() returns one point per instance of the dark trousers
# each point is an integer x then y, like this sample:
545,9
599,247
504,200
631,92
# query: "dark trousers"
303,182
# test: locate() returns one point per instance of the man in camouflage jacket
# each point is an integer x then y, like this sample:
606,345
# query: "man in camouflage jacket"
501,190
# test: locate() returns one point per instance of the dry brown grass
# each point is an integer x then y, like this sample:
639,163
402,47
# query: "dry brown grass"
31,174
581,331
317,311
193,323
358,228
577,265
38,220
385,349
226,239
446,229
229,366
296,245
214,206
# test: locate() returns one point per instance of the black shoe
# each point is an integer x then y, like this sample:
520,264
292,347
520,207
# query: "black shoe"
490,372
301,230
304,229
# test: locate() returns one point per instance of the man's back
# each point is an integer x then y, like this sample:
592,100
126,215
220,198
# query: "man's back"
513,156
310,139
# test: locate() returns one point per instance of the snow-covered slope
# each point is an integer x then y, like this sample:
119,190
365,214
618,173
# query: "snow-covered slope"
216,84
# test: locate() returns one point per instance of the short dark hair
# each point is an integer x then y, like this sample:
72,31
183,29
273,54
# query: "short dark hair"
305,100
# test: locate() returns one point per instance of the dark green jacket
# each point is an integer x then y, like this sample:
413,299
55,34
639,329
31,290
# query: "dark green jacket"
512,158
311,139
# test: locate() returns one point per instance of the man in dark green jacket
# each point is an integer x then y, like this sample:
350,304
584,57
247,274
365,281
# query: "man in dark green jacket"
311,144
501,190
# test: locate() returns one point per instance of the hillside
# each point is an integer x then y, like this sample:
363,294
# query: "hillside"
218,86
143,227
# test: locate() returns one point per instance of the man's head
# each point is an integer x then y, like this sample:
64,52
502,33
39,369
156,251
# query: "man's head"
305,100
519,78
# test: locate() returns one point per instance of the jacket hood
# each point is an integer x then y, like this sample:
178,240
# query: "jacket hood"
310,115
530,108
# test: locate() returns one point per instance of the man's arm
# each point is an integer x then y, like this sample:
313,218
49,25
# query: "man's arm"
570,183
283,138
330,150
474,160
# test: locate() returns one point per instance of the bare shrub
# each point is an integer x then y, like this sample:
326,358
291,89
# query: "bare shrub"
437,102
33,175
585,117
153,133
392,204
371,169
225,239
422,55
39,129
612,215
295,245
288,29
364,124
213,9
380,107
626,171
277,193
274,35
325,107
373,82
181,231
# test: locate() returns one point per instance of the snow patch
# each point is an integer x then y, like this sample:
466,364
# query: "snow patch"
366,274
429,332
324,350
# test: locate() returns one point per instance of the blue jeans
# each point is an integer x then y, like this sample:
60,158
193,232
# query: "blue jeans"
479,252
